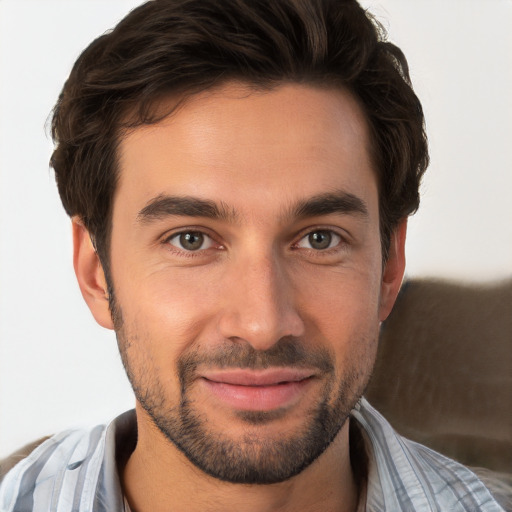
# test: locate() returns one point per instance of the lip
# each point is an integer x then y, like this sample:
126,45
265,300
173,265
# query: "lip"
258,390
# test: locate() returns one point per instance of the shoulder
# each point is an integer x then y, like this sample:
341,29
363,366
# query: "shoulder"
452,482
9,462
45,463
405,475
499,483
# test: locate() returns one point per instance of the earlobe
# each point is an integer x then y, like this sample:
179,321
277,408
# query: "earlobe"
90,275
393,271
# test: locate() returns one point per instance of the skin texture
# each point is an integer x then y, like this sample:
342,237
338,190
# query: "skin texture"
271,283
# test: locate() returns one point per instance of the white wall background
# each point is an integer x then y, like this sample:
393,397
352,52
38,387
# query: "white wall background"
57,368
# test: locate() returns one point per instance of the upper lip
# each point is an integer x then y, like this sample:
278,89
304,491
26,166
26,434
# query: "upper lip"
266,377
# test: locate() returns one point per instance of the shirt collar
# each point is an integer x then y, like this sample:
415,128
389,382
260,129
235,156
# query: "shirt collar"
120,441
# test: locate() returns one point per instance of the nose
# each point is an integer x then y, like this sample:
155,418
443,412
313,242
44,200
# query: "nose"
259,304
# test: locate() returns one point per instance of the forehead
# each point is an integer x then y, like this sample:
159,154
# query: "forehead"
234,144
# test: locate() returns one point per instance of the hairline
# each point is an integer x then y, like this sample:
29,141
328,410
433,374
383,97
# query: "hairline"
131,119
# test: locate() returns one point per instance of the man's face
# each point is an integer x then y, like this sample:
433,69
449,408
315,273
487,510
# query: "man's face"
247,271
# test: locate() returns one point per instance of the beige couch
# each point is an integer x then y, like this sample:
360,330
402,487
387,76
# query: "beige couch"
444,370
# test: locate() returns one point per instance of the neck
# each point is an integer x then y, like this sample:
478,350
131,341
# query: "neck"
158,477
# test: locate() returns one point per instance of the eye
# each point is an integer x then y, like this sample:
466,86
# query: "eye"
191,241
320,240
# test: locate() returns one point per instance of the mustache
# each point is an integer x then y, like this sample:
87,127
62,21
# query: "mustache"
287,352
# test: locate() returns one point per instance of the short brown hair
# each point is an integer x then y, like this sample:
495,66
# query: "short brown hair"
187,46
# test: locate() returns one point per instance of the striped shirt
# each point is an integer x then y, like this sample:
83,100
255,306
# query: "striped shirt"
76,471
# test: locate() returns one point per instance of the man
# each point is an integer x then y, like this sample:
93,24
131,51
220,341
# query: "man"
239,176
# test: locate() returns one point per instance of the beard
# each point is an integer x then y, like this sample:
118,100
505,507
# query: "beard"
255,457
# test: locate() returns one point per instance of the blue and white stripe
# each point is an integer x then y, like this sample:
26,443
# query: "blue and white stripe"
404,475
76,471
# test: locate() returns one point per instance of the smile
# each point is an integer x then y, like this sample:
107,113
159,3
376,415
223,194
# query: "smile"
262,390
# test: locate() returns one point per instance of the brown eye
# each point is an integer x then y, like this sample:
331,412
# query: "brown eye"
320,240
191,241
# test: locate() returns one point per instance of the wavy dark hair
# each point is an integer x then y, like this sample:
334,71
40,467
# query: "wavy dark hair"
187,46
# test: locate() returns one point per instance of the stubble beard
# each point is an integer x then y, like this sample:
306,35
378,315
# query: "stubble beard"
253,458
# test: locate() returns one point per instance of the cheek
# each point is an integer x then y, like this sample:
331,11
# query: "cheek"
342,300
352,332
349,325
168,309
343,313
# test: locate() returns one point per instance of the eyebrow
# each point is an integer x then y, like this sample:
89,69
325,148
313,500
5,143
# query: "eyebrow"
326,204
164,206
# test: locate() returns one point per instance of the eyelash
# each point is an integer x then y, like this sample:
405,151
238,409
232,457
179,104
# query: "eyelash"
342,241
166,241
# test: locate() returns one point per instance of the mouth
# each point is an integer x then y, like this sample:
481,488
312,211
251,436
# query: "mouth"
257,390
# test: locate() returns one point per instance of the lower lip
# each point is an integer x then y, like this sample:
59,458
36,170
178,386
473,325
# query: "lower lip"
258,398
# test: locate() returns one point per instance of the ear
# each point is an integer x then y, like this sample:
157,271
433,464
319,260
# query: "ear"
393,271
89,273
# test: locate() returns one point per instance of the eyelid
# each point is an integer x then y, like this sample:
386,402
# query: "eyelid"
207,240
167,236
339,232
334,235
